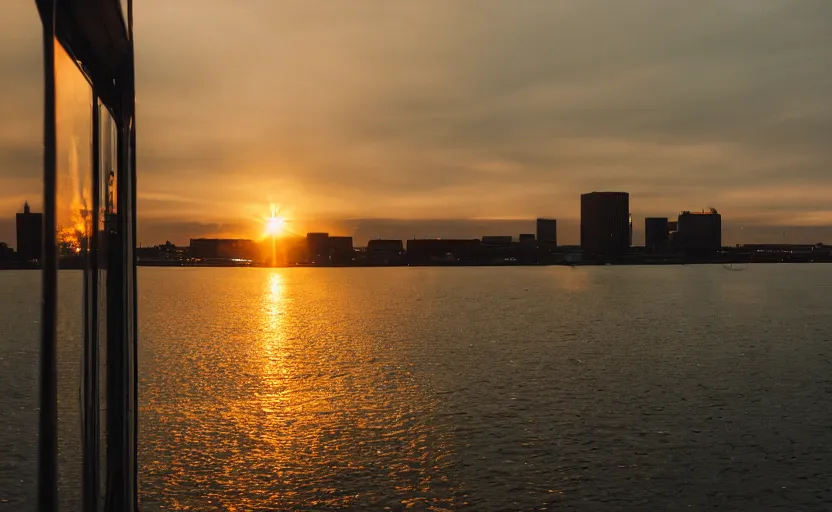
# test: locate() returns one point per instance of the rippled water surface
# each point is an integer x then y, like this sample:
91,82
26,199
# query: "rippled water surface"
608,388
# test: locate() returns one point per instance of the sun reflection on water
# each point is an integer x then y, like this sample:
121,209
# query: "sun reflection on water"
284,398
272,341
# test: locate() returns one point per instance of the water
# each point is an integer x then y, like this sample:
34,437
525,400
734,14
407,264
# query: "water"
608,388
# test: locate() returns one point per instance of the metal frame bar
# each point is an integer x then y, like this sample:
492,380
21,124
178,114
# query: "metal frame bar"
135,278
92,417
121,442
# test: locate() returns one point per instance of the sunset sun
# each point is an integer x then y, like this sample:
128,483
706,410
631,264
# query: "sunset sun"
275,226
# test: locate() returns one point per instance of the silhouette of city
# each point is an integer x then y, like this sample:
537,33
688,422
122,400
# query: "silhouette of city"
606,238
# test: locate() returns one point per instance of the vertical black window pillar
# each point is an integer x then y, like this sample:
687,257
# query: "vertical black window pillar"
91,391
48,378
121,346
97,37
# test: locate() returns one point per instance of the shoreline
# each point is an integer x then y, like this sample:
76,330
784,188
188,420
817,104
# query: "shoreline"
177,264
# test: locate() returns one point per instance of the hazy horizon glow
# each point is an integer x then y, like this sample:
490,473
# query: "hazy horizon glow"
369,117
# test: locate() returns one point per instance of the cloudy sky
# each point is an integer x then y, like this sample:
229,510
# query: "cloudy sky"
380,118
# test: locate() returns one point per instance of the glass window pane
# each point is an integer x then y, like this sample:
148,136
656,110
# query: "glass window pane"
106,232
73,107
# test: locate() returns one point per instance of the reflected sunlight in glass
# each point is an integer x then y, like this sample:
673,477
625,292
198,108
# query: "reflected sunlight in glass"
73,97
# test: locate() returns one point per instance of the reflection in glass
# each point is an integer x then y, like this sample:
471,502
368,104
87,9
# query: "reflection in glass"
74,218
109,157
106,236
74,164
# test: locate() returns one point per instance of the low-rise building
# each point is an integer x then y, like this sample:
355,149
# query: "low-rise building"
699,234
432,250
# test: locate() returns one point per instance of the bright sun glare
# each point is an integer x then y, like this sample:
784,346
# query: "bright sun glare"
275,226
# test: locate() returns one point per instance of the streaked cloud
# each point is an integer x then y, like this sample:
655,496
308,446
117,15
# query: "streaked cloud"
462,110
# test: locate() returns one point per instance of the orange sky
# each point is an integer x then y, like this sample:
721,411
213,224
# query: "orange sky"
356,115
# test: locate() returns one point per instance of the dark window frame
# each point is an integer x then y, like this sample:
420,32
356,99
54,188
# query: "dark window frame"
97,36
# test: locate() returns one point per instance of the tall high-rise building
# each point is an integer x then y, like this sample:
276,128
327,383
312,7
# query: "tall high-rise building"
605,223
547,232
699,234
29,235
656,234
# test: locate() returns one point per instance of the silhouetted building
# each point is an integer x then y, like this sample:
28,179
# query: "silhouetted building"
547,232
317,247
672,238
284,250
631,229
434,250
380,246
341,249
656,235
700,233
164,253
496,249
384,252
526,239
497,241
527,248
223,249
6,252
605,223
29,235
774,253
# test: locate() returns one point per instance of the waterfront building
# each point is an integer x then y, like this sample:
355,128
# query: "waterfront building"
605,223
700,233
29,235
656,235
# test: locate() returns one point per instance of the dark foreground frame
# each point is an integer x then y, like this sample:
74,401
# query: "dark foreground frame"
97,34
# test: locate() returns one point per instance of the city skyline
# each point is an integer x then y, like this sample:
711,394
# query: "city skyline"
361,231
396,120
606,239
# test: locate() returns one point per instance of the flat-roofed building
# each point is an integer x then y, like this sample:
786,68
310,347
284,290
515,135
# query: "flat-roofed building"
317,248
224,249
428,250
700,233
547,232
605,223
341,249
656,235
